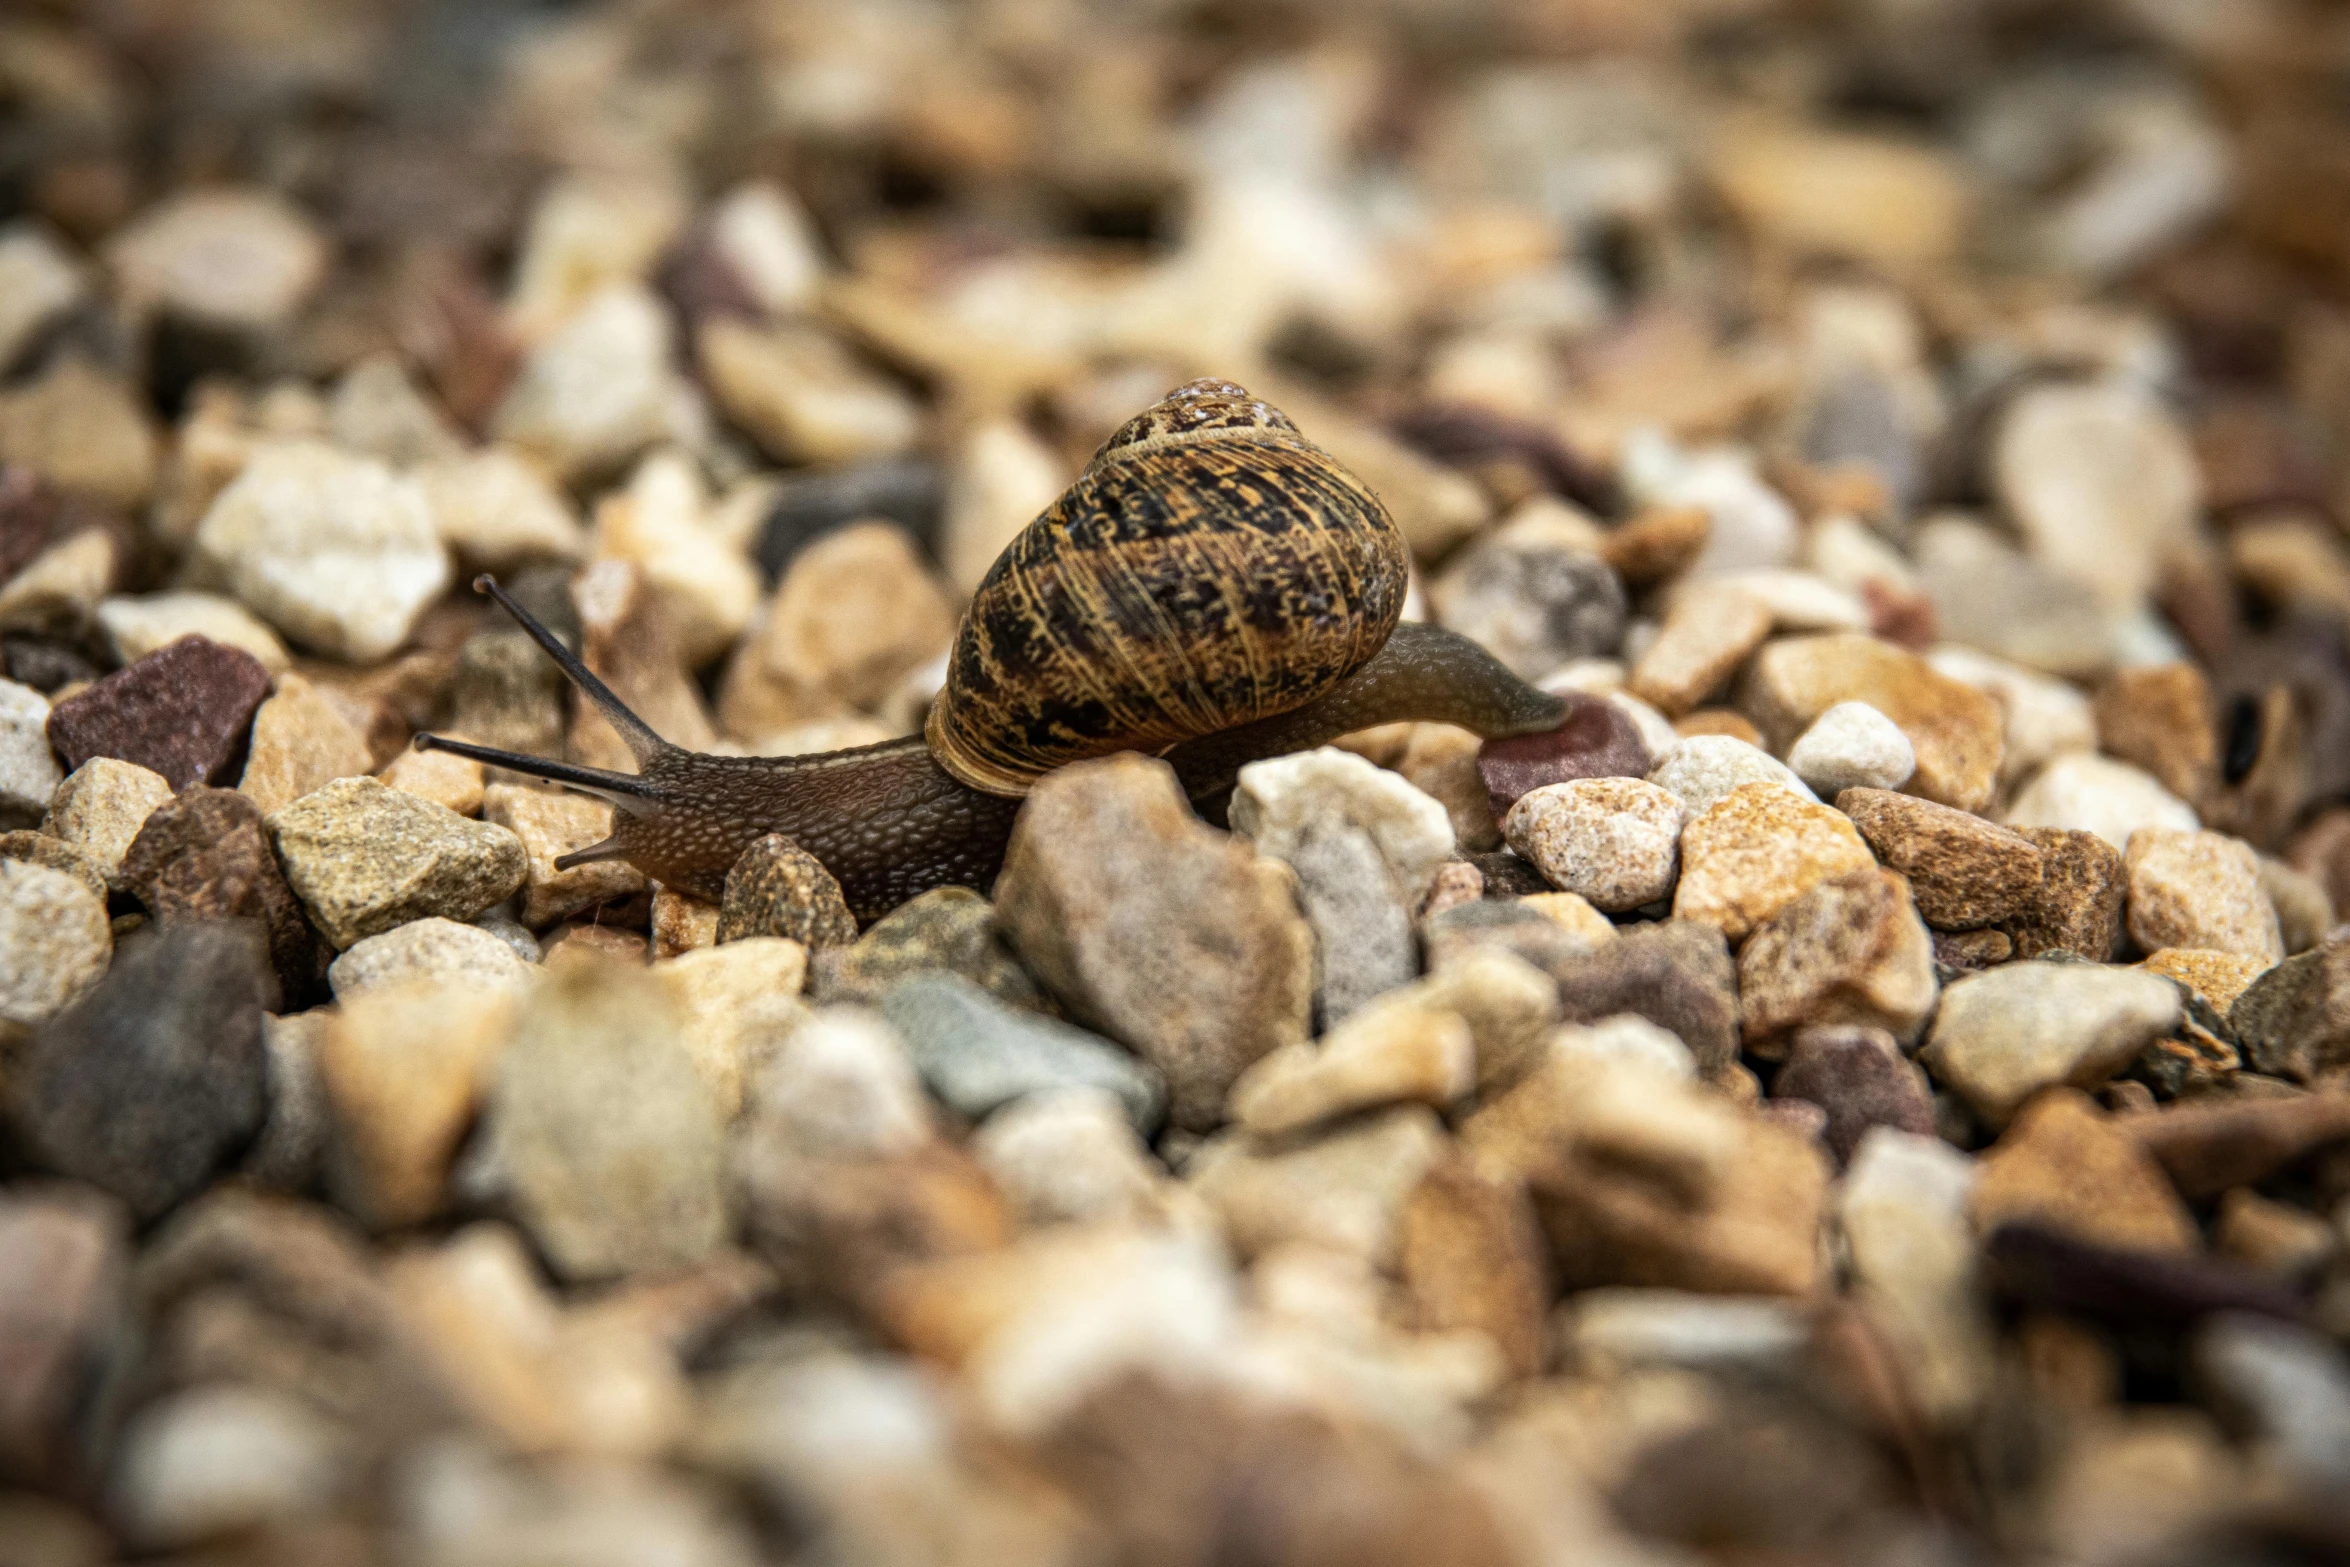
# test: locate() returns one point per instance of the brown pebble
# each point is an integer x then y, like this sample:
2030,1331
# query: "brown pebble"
1719,721
778,888
182,711
38,848
205,856
1965,872
2159,717
2078,907
1860,1079
1657,543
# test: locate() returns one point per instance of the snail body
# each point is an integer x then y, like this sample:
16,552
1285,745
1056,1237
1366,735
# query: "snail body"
1213,589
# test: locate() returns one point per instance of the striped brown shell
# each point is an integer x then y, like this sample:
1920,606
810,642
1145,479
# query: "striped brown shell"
1211,566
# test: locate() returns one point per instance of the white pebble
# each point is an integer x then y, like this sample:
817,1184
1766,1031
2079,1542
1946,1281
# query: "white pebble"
1705,768
1852,746
28,771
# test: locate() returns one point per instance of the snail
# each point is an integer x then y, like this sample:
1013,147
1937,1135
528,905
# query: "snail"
1213,589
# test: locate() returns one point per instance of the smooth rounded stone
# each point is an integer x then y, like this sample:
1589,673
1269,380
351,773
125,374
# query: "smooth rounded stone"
205,855
224,257
181,712
1850,746
1703,769
947,928
1963,871
1757,850
210,1463
1850,951
2065,1165
336,551
1613,841
1956,731
136,627
497,512
603,1131
2199,889
28,771
1533,593
1597,740
551,824
1990,596
433,948
301,741
404,1061
39,281
978,1055
2002,1035
1858,1075
1706,635
1171,938
2100,479
777,888
364,858
101,806
2159,717
157,1074
55,940
85,432
2294,1020
39,848
1069,1155
798,393
2089,793
1916,1269
1344,1190
2288,1386
2078,907
596,392
1389,1054
737,1002
442,777
1675,973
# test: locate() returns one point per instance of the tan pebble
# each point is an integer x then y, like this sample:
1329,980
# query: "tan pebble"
301,741
1718,721
2200,889
552,823
1956,731
1613,841
438,776
2217,977
2063,1164
1572,911
1706,636
1755,851
1381,1055
1658,543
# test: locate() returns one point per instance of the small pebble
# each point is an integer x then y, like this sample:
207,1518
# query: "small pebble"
1703,769
1597,740
39,848
442,777
949,928
226,257
1069,1155
2199,889
404,1062
1533,594
136,627
2078,908
364,858
1394,1053
2159,717
1613,841
2294,1020
978,1055
100,808
1850,951
55,941
1675,973
2008,1032
1859,1076
28,771
1955,731
2064,1165
737,1003
205,855
777,888
2087,793
1707,634
1964,871
181,712
1757,850
497,512
436,949
1852,745
593,395
553,823
301,741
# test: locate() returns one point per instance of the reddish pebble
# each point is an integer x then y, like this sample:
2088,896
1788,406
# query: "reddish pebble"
1596,741
182,711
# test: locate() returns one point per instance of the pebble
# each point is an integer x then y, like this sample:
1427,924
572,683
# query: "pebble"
2159,717
404,1060
1069,1155
797,392
2078,908
286,1155
603,1130
181,712
157,1075
766,240
1717,721
1597,740
777,888
2008,1032
1510,1006
1344,1190
1395,1053
335,551
978,1055
737,1002
2065,1165
2041,718
947,928
1472,1261
1658,543
1167,936
63,1254
1675,973
444,778
1964,872
55,941
1750,524
301,741
1850,951
1852,746
2294,1020
552,823
1002,477
136,627
1861,1078
1706,635
1703,769
1533,593
2305,912
82,431
1871,198
596,392
2101,480
433,948
504,692
1440,760
2089,793
1991,597
1916,1270
100,807
364,858
38,848
2288,1385
39,281
1955,731
210,1463
227,257
661,523
497,512
1613,841
205,855
841,1085
2216,978
28,771
1757,850
2200,889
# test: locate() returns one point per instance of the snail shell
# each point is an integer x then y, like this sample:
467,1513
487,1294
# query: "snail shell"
1210,567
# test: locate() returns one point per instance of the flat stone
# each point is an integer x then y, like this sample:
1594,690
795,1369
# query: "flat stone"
2294,1020
100,808
1859,1076
2159,717
1756,851
1613,841
2088,793
1388,1054
335,551
947,928
777,888
55,941
205,855
136,627
435,949
738,1002
1707,634
181,712
1597,740
28,771
404,1061
1964,872
1533,594
1169,937
2064,1165
1345,1190
1955,730
1852,746
1675,973
156,1076
603,1130
2078,907
2199,889
1850,951
2004,1034
364,858
978,1055
1703,769
550,824
301,741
